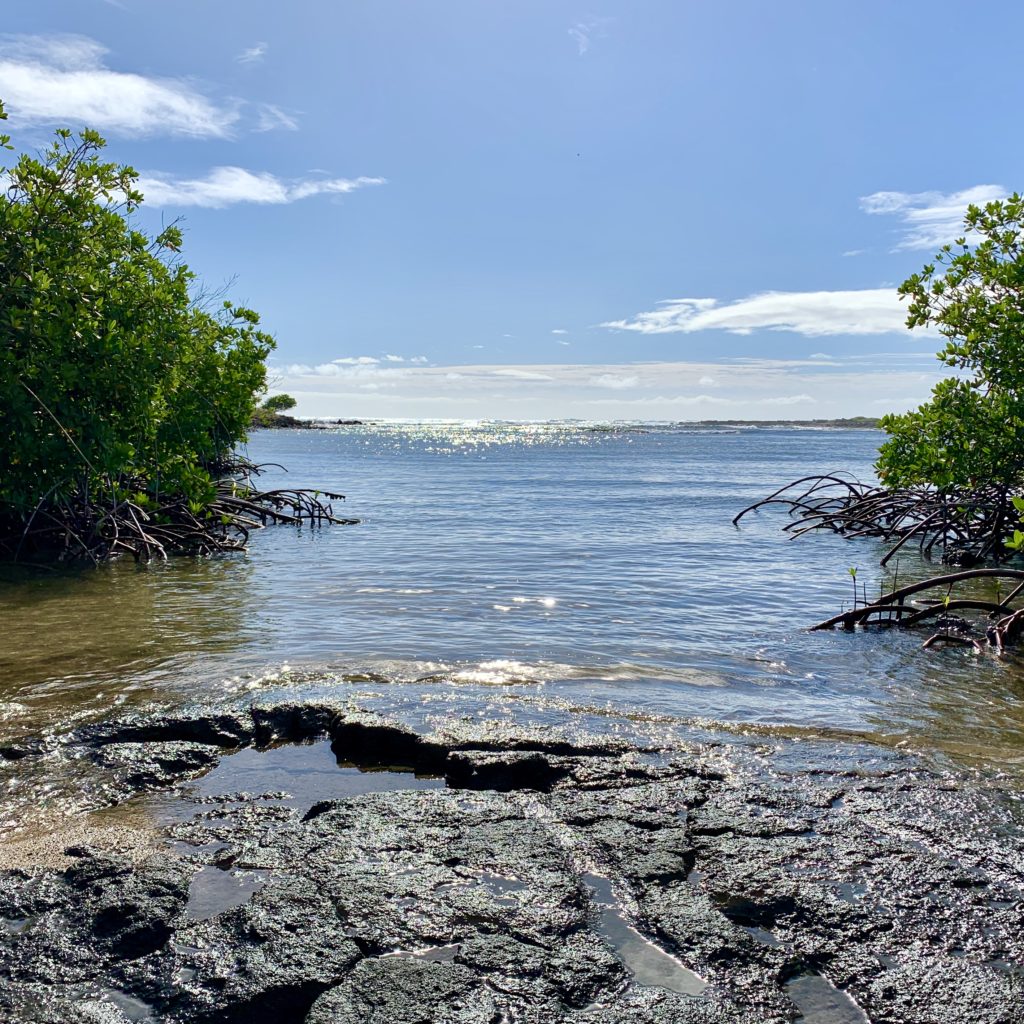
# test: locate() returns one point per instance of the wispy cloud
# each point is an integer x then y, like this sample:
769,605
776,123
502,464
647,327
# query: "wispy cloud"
270,118
583,32
615,381
559,330
253,55
929,219
522,374
749,388
867,311
225,186
63,78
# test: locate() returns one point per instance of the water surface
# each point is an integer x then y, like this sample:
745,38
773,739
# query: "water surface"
540,571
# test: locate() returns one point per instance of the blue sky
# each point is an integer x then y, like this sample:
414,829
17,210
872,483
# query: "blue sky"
664,209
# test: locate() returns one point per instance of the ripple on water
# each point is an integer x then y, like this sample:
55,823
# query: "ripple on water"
601,562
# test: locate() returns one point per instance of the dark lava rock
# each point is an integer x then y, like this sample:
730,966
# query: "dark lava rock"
128,912
216,728
149,765
404,990
471,905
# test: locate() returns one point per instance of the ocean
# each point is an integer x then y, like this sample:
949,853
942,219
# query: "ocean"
550,572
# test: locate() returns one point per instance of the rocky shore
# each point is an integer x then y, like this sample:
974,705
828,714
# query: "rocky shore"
488,874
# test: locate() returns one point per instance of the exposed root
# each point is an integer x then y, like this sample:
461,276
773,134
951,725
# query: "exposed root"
996,625
125,520
968,526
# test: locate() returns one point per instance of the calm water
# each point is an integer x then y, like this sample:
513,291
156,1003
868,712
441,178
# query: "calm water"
536,571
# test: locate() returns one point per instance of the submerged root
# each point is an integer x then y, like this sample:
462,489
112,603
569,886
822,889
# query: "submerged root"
968,525
125,520
994,625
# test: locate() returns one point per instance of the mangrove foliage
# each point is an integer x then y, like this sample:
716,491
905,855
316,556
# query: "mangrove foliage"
951,472
122,391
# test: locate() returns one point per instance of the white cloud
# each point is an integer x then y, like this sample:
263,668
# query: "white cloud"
513,371
742,389
394,359
854,252
253,55
584,31
790,400
269,118
63,79
224,186
867,311
614,381
419,359
930,219
363,371
559,330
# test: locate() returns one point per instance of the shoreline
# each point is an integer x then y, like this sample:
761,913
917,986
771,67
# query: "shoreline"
516,870
283,422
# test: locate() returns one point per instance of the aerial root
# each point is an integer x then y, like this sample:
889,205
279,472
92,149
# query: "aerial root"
84,526
968,525
1000,625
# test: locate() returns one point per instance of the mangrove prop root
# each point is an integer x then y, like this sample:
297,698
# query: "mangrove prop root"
969,525
84,526
1001,625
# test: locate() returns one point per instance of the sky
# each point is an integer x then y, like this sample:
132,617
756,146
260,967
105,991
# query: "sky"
660,209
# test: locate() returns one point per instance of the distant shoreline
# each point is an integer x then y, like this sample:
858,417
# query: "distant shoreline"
848,423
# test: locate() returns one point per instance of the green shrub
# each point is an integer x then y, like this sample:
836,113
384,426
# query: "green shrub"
109,369
971,433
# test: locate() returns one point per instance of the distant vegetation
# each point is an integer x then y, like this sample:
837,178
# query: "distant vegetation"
271,412
123,389
849,423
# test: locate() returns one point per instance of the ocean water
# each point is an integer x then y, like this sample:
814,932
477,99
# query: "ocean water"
544,572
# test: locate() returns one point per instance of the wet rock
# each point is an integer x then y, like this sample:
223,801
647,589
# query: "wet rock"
149,765
20,750
265,961
505,772
293,721
900,890
962,557
218,728
128,912
403,990
373,740
582,970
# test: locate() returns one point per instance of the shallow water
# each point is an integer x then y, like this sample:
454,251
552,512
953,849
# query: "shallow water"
542,571
647,963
